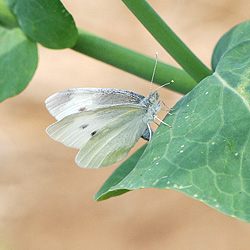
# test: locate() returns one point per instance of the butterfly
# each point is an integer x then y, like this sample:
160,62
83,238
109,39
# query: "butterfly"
103,123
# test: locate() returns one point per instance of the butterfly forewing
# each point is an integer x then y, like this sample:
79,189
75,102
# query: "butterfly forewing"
71,101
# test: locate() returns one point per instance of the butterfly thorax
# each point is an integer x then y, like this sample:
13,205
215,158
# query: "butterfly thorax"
152,106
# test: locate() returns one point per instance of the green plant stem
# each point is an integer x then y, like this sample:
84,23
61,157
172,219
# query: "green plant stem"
133,62
168,39
7,18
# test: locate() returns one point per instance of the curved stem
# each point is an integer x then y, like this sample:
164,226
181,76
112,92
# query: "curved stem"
7,18
133,62
168,39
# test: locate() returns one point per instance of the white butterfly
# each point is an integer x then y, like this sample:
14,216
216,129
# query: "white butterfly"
103,123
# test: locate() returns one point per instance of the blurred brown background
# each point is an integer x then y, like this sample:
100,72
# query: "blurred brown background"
47,200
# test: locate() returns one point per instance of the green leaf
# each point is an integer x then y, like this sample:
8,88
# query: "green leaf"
232,38
18,62
46,22
206,153
119,174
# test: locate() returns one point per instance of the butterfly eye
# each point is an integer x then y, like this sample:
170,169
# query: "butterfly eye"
82,109
152,99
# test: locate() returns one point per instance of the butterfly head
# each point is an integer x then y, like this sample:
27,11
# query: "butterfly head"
153,97
152,106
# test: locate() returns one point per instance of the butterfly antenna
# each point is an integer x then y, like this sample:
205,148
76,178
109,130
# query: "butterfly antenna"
165,84
151,83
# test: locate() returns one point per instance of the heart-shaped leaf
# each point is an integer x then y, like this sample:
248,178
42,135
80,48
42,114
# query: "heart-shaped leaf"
206,153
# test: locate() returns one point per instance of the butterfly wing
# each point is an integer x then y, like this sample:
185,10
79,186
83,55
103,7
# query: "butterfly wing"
75,100
113,142
71,101
77,129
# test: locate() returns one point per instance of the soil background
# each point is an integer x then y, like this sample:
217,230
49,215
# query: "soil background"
47,200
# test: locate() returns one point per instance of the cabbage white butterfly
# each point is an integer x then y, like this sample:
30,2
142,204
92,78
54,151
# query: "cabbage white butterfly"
103,123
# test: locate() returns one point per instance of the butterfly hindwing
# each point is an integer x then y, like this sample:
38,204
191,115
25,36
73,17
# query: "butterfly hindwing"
71,101
114,141
77,129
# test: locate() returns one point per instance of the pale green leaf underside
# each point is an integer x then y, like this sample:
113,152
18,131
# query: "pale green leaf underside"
206,154
119,174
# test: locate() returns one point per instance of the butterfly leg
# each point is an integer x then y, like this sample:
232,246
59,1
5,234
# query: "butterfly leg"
150,132
162,121
161,101
156,123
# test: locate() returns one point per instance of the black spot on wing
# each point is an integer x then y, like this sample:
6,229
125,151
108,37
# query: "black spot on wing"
84,126
93,133
82,109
